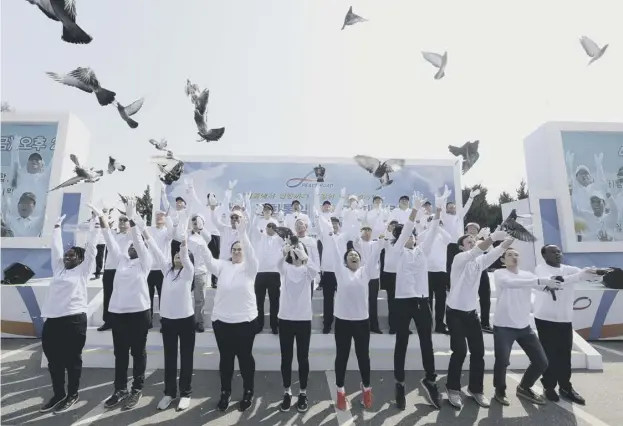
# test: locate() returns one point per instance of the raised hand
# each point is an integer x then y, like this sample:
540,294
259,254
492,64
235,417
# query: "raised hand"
280,216
95,210
232,184
130,209
484,233
139,222
498,235
599,158
59,221
343,193
474,193
446,192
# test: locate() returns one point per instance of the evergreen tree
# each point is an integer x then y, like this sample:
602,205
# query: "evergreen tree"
145,205
522,191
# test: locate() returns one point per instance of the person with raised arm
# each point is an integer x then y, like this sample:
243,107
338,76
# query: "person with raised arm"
453,218
352,216
311,245
291,218
462,317
553,320
376,218
511,323
388,278
325,209
161,236
177,318
234,315
196,245
263,216
228,231
402,212
411,302
295,317
65,312
351,311
129,309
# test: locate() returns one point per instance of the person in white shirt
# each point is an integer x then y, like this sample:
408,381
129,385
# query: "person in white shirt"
234,315
463,321
177,319
351,311
229,232
264,216
326,209
602,218
368,248
553,319
453,218
65,313
295,317
411,303
352,217
511,323
438,277
24,223
161,237
267,245
129,309
34,178
197,245
377,217
401,213
296,214
101,245
311,245
388,278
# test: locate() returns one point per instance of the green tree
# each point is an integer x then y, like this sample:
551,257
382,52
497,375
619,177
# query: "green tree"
522,191
145,205
505,197
6,107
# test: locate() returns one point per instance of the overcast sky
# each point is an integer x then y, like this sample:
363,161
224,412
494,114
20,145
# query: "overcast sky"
285,80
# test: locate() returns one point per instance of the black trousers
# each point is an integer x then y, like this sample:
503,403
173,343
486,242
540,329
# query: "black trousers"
99,259
236,340
62,341
418,310
288,332
268,282
465,331
154,282
107,284
484,293
557,341
438,285
320,248
373,304
215,248
174,330
345,332
388,282
329,287
129,335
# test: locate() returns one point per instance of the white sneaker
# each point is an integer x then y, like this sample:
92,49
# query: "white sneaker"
480,399
165,402
454,398
184,403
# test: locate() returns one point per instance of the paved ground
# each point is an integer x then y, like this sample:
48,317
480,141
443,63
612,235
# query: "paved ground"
25,386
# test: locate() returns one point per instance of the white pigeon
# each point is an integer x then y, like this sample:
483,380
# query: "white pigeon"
592,49
114,165
130,110
84,79
82,174
438,61
352,18
201,117
159,145
64,11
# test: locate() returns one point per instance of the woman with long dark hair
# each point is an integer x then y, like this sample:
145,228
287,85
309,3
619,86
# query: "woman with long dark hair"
64,310
234,315
177,320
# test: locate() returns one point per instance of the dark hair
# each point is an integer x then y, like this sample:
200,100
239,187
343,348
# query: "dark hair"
180,199
35,155
80,251
336,220
397,231
28,196
450,202
173,253
348,251
232,246
427,203
461,239
326,202
544,248
404,197
376,197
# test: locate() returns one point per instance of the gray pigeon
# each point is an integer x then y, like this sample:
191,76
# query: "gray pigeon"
201,116
592,49
380,170
438,61
82,174
85,80
469,152
114,165
130,110
352,19
159,145
64,11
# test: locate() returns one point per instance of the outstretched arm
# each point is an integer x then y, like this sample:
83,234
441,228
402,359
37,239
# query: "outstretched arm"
251,263
90,251
57,247
158,257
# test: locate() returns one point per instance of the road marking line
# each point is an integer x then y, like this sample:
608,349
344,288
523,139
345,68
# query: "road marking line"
605,349
17,351
344,418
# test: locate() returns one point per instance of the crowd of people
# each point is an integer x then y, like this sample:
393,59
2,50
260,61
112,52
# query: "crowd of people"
433,267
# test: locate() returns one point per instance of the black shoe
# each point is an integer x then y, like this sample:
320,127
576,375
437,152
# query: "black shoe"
245,402
275,331
326,330
105,327
301,404
487,329
392,331
376,330
133,399
223,403
528,394
401,401
432,392
286,403
66,404
213,285
572,395
199,328
552,395
96,277
500,396
116,398
54,402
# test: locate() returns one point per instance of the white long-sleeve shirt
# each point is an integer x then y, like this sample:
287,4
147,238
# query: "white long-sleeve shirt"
400,215
311,244
269,252
377,220
351,222
67,292
229,236
161,237
561,309
332,254
467,268
130,291
514,298
123,240
234,301
454,223
294,301
196,245
371,253
438,254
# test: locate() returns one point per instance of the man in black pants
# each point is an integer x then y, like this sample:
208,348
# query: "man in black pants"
328,280
269,253
388,280
99,261
484,288
215,248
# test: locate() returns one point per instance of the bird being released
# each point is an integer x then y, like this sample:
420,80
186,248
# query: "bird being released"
85,80
130,110
380,170
64,11
82,174
201,119
352,18
191,89
284,232
114,165
159,145
469,152
592,49
173,175
516,229
438,61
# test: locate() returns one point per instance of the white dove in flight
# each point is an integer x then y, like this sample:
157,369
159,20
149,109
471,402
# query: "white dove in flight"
438,61
592,49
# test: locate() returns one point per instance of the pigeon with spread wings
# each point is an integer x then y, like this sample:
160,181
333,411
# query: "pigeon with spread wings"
380,170
284,232
114,165
85,80
516,229
592,49
130,110
64,11
162,146
201,119
82,174
173,175
469,152
438,61
352,18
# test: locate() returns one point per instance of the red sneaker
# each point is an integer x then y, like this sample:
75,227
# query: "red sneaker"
367,397
342,402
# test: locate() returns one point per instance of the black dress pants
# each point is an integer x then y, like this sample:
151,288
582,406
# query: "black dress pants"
345,332
484,293
107,284
438,285
557,341
329,287
129,335
388,282
99,259
174,330
465,331
268,282
154,282
373,303
236,340
215,248
289,331
62,340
